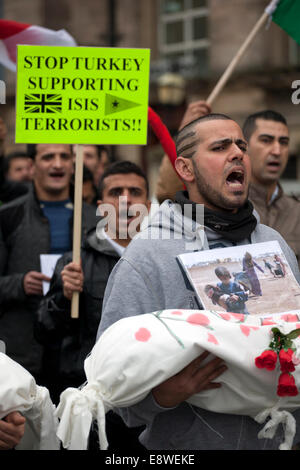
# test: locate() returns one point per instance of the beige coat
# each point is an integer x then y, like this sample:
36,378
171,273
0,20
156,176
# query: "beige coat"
283,214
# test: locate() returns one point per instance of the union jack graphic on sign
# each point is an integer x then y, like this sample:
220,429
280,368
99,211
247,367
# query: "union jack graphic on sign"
41,103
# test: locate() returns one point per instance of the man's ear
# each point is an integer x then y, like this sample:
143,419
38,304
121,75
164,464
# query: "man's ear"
184,168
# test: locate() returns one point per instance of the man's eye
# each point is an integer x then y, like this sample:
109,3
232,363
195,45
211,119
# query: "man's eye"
115,192
266,140
135,192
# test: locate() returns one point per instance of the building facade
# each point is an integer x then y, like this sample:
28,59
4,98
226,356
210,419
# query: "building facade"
192,42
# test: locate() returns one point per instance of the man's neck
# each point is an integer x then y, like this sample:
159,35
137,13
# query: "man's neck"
124,242
198,199
268,187
43,195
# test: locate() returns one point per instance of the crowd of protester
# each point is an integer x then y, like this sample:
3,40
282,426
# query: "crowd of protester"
36,217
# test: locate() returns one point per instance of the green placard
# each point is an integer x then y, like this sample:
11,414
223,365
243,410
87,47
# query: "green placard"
82,95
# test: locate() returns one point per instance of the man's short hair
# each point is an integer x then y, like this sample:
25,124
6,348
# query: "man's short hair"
186,138
221,271
12,156
268,115
122,167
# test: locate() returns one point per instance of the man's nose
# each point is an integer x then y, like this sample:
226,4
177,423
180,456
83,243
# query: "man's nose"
124,202
236,153
126,195
57,161
276,148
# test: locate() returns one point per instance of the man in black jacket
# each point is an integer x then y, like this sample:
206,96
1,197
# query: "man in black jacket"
54,322
99,254
39,222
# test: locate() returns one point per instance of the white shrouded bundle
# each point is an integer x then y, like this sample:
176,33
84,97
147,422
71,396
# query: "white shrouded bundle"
19,392
135,354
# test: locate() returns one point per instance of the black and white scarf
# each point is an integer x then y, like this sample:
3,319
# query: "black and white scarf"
234,227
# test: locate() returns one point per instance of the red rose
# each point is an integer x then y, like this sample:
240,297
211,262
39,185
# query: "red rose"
286,360
286,385
267,360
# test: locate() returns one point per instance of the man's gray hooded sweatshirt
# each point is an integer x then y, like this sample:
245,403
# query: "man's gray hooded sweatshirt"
148,278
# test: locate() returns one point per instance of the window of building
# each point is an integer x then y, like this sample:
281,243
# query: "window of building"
183,35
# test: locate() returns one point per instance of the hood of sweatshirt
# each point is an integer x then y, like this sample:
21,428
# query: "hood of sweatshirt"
101,245
169,222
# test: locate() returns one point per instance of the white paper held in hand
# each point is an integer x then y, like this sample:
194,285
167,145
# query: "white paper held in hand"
48,263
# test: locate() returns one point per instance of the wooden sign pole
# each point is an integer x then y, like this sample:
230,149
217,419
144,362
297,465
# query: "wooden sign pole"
77,221
226,75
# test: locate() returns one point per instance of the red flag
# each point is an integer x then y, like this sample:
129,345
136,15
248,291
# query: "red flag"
13,33
162,133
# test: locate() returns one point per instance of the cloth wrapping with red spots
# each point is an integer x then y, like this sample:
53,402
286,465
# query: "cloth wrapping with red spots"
19,392
135,354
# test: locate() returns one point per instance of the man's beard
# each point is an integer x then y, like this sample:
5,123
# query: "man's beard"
215,198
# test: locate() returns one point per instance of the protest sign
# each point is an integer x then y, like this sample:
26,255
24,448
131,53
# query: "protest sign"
82,95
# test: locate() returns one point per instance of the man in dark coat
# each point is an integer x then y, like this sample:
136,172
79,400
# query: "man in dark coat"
99,254
39,222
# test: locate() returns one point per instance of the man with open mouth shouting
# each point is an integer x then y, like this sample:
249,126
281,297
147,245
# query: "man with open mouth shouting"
213,162
216,162
39,222
268,137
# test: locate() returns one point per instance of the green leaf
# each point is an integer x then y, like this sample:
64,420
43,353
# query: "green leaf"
276,331
288,344
294,334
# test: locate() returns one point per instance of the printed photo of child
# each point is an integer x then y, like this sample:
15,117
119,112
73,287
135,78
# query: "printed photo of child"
243,279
